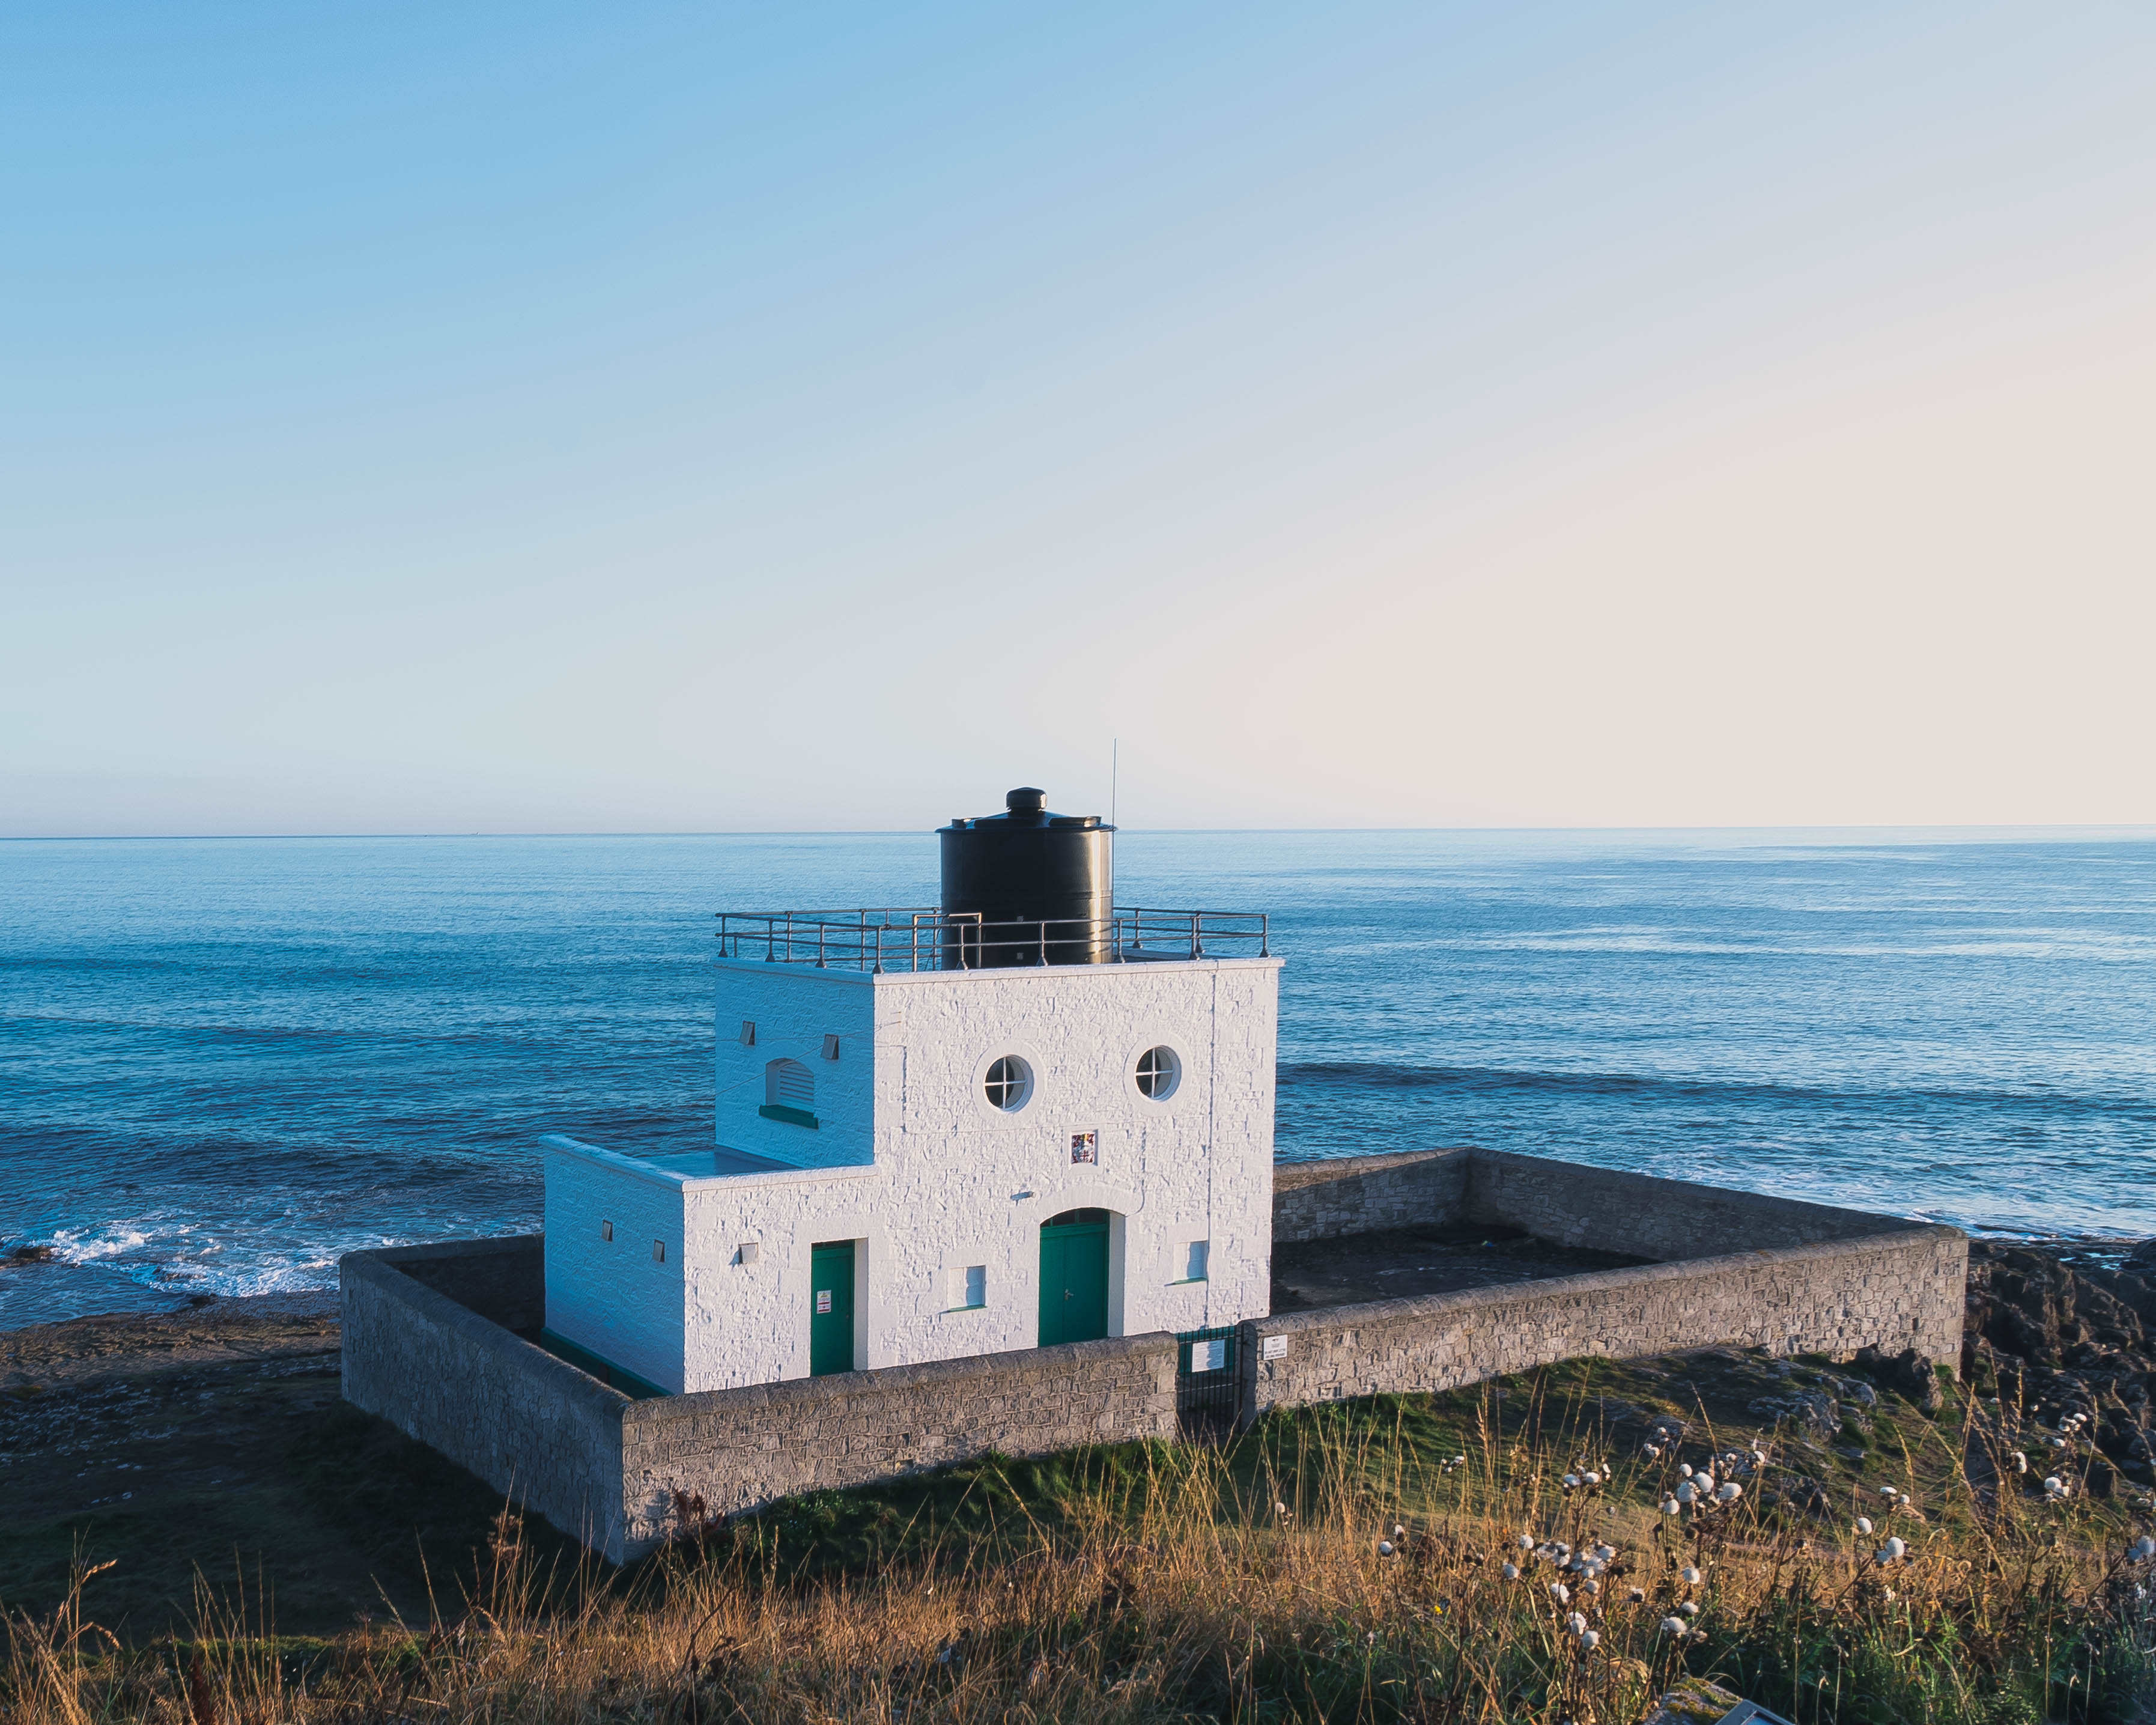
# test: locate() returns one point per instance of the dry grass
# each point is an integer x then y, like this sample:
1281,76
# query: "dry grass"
1155,1584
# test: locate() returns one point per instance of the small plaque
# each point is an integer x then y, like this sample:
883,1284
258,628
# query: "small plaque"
1084,1146
1208,1356
1275,1347
823,1301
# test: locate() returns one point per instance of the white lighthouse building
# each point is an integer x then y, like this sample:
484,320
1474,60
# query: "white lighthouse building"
1025,1117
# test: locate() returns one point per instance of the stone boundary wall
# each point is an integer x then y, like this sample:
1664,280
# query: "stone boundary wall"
740,1449
1566,1203
504,1281
1644,1216
1361,1194
1894,1289
426,1348
532,1426
428,1342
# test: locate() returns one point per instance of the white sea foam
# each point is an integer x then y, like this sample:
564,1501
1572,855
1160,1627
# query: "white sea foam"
169,1256
89,1246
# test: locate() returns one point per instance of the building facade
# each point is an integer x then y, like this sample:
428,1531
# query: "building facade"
918,1163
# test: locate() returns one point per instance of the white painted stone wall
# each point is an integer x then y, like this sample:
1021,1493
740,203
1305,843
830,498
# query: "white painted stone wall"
794,1007
911,1161
614,1296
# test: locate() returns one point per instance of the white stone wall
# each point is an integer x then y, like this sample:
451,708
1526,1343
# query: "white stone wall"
911,1162
1197,1166
614,1296
794,1007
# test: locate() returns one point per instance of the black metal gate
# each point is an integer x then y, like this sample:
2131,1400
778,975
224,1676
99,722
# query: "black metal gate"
1205,1383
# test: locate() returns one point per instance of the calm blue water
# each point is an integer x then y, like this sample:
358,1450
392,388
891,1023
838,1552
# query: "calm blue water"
224,1062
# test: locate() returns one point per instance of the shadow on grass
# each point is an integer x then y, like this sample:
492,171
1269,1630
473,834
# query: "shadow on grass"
351,1519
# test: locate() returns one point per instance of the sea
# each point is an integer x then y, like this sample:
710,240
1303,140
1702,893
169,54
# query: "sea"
223,1062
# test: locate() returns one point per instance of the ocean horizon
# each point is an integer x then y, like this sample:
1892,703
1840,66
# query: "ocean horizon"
224,1061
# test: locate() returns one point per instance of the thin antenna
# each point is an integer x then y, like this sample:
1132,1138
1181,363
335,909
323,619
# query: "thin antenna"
1115,765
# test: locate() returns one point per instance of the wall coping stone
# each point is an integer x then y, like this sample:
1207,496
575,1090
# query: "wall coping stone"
976,1373
1325,1170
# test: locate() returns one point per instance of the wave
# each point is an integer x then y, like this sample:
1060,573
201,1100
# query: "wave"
92,1244
174,1260
1387,1075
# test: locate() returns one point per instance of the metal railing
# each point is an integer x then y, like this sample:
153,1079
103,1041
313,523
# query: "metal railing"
900,940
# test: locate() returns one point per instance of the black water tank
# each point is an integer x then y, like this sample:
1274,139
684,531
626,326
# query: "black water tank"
1026,865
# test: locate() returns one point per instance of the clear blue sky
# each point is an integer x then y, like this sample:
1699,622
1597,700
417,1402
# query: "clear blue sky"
426,418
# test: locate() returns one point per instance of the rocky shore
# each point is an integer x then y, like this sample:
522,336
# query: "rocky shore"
2060,1328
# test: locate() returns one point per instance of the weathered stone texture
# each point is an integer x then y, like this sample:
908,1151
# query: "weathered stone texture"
604,1469
504,1281
1570,1203
530,1425
1896,1290
1361,1194
738,1449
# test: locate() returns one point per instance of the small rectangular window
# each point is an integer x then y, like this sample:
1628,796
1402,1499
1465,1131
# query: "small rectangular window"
969,1285
748,1033
1195,1255
830,1048
606,1230
659,1251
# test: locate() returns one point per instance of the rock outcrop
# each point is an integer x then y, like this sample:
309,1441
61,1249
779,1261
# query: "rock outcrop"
2059,1331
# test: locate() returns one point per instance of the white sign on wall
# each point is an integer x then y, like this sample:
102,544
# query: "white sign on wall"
1208,1356
1084,1146
1275,1347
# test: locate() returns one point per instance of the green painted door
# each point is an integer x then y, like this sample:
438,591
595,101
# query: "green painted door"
1074,1277
831,1308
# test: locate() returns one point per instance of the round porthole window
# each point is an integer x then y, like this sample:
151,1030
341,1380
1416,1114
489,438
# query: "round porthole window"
1009,1083
1157,1073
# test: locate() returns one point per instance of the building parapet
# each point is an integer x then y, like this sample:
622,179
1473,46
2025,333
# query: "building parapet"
690,1168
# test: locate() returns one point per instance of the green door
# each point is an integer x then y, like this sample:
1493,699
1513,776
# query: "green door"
1074,1277
831,1308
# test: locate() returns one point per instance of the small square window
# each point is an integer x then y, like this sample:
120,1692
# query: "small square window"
1195,1255
606,1230
969,1285
748,1033
830,1048
748,1252
659,1251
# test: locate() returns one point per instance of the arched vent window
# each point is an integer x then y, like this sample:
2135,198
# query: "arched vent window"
789,1084
789,1093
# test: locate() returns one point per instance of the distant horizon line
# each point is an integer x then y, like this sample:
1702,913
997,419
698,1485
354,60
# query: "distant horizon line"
2122,829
